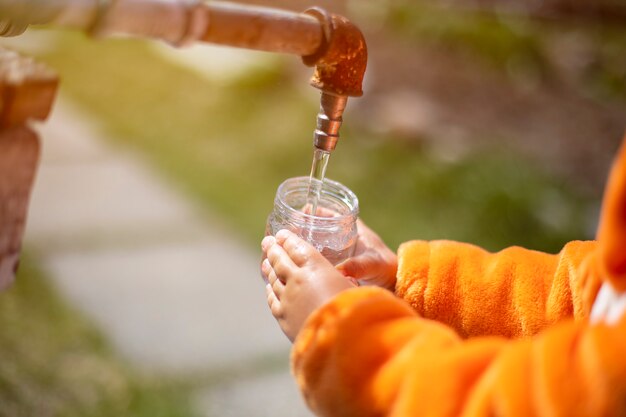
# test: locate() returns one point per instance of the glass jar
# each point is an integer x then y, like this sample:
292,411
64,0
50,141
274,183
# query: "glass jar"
332,230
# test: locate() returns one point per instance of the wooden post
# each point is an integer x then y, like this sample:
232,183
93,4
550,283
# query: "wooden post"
27,91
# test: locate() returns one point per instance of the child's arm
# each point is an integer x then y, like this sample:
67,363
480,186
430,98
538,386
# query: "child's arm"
366,353
515,292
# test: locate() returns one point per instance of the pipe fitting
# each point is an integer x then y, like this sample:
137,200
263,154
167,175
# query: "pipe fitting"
341,59
329,120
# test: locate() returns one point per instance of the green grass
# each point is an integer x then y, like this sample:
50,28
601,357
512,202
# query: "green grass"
496,40
518,45
492,198
54,363
229,146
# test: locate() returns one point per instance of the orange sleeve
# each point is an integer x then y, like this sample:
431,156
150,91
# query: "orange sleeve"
515,292
612,228
367,353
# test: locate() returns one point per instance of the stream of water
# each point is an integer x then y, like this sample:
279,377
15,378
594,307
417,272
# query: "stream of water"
316,179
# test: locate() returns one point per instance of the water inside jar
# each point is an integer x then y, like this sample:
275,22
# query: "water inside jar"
332,231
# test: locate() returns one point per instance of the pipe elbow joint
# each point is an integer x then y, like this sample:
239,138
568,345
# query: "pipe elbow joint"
341,59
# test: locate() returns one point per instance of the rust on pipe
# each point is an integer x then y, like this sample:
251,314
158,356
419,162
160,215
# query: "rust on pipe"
341,61
262,28
331,43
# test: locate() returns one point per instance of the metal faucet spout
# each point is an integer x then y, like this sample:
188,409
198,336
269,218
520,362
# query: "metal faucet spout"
329,120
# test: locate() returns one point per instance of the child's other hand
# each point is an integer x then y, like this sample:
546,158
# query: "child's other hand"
300,280
373,262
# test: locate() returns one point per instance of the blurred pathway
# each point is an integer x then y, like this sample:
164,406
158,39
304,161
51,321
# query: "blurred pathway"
175,292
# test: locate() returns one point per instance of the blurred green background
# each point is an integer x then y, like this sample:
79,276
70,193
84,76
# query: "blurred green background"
475,127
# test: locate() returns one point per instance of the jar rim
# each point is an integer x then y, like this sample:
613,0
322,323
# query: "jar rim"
353,203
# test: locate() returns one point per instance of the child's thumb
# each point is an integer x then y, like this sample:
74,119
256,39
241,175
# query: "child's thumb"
359,267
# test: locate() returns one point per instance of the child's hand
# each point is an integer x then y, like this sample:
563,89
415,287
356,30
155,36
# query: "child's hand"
300,280
373,262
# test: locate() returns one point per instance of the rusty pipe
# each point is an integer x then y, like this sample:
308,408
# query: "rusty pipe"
330,43
261,28
178,22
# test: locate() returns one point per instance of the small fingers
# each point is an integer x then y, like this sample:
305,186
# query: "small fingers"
362,226
273,302
266,269
360,267
320,211
266,243
276,284
296,248
368,236
281,263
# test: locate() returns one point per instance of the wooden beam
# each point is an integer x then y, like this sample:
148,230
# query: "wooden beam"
27,91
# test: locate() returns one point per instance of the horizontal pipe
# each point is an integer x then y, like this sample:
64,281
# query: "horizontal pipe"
221,23
17,15
175,21
262,29
153,19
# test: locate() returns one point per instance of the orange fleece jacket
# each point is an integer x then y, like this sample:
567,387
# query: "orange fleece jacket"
471,333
